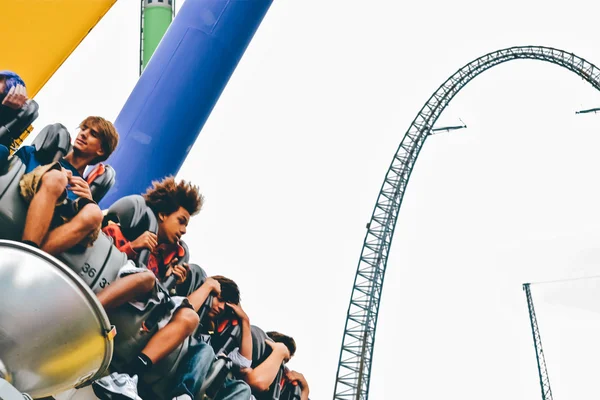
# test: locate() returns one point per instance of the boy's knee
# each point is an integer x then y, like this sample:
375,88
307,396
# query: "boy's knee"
203,351
188,319
91,216
243,390
147,281
54,182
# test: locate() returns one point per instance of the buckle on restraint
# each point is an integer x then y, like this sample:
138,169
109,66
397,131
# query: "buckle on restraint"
111,333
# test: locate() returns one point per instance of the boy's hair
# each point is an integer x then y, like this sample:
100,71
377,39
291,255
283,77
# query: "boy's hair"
166,197
11,80
230,292
108,134
288,341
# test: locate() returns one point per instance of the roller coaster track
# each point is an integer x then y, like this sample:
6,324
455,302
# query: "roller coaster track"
537,343
354,367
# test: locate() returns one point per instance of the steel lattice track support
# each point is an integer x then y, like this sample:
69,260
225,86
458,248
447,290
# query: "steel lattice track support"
354,368
539,351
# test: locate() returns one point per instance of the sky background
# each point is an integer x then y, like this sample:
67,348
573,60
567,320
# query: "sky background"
292,158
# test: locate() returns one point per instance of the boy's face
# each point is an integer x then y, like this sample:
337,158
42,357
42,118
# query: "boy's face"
2,86
88,142
217,307
173,226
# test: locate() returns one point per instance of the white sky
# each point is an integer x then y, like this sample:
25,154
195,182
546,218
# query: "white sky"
293,156
567,313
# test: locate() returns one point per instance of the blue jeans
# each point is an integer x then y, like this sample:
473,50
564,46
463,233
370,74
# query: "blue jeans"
193,370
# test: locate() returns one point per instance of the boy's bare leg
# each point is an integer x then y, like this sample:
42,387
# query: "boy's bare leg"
184,323
126,289
41,208
68,235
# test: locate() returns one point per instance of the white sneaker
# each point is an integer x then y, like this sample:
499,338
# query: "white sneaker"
183,397
116,387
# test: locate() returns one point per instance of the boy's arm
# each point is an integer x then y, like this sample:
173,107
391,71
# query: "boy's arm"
246,342
261,377
300,380
146,240
199,296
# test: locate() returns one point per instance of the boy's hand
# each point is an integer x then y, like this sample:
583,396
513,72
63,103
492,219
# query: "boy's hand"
279,348
68,173
214,285
297,377
146,240
16,97
239,312
180,271
79,186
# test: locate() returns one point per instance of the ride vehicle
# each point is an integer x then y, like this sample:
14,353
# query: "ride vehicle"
55,337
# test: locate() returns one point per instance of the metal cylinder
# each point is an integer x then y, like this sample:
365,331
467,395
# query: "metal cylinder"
158,15
179,88
54,334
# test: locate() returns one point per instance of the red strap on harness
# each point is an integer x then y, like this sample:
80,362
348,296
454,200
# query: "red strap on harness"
179,252
223,325
96,172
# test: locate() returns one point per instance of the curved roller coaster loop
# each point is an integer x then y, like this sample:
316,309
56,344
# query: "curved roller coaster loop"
354,368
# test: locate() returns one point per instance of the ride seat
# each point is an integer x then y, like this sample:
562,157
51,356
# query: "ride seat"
260,352
12,207
99,265
224,341
104,261
291,392
13,129
52,143
159,381
101,178
134,218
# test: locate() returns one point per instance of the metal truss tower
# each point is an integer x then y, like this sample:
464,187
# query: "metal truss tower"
539,352
354,368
